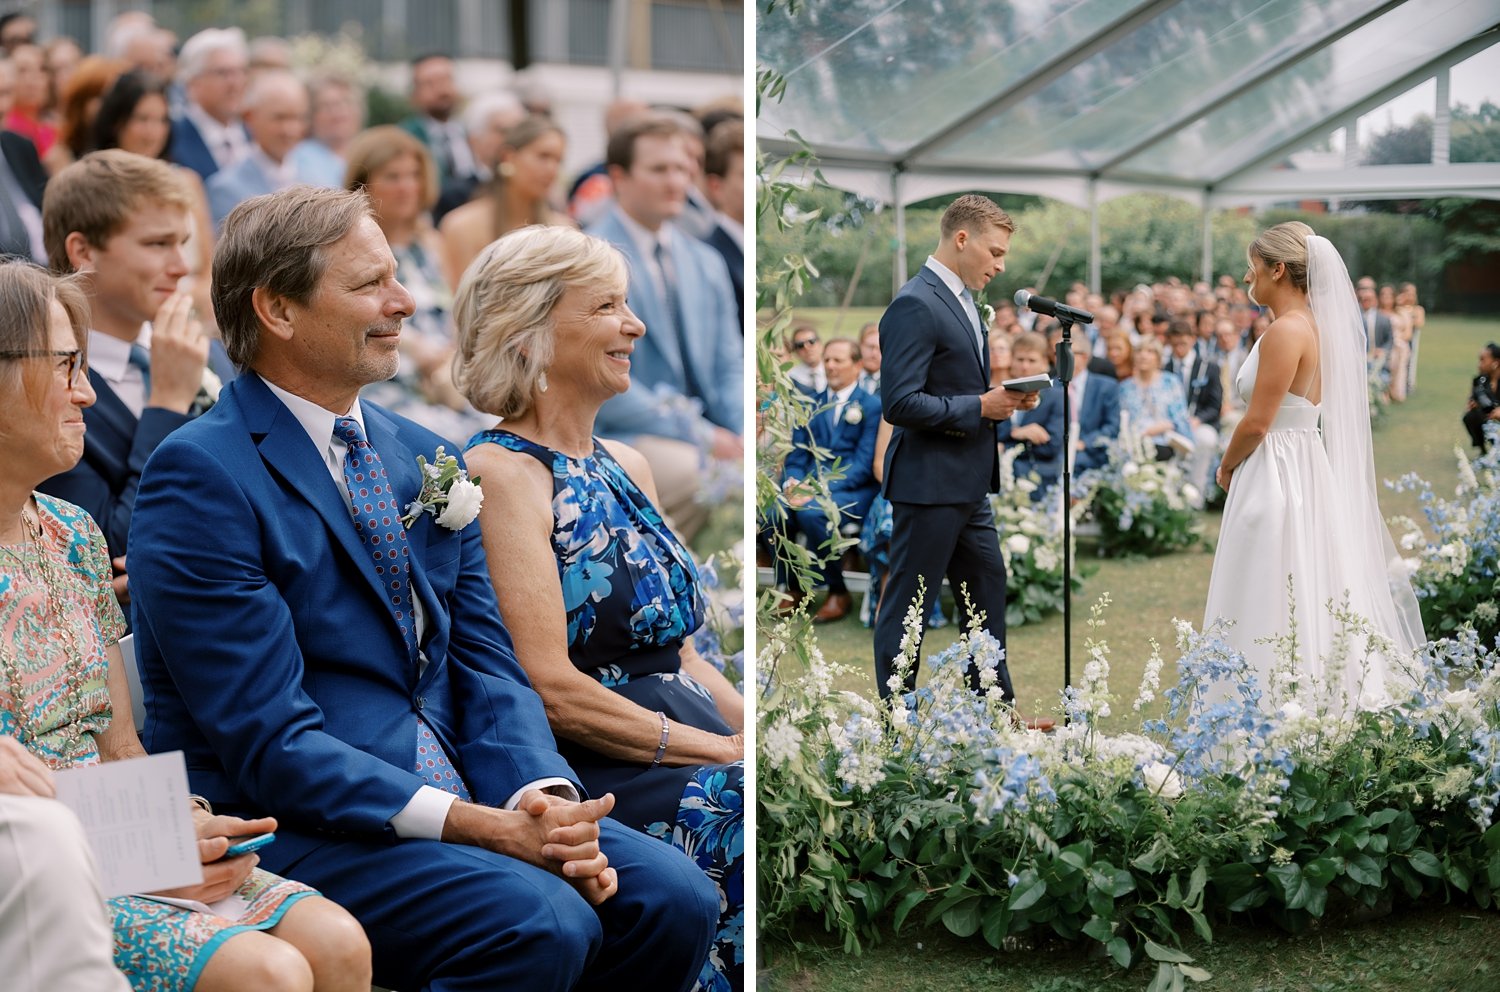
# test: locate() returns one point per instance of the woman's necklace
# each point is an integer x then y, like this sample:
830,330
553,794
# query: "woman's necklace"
35,565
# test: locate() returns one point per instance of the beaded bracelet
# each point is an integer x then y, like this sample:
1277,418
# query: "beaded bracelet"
661,747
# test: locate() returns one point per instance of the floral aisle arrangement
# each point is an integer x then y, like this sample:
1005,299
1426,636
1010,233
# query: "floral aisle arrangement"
1273,799
1142,506
1457,574
1031,542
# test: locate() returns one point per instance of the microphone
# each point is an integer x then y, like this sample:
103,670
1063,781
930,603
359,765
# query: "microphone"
1052,308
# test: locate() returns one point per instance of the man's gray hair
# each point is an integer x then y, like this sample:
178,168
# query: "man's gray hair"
276,241
480,109
193,58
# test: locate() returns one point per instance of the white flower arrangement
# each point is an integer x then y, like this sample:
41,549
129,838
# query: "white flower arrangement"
447,493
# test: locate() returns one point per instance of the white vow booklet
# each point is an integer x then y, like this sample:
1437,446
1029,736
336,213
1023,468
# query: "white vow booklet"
138,821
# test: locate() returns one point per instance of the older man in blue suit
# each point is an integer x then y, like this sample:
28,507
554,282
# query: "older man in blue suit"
276,117
1096,409
843,431
323,656
943,458
692,354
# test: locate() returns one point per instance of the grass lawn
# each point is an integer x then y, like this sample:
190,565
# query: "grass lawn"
1447,948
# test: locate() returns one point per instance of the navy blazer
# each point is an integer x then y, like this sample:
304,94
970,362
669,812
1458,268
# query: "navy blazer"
115,448
188,148
715,346
268,649
853,445
932,373
1043,459
1099,414
1205,396
734,259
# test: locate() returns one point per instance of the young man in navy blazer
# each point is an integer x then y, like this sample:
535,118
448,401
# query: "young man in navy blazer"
321,660
121,220
943,459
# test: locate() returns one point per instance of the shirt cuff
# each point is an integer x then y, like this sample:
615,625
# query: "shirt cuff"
423,817
565,789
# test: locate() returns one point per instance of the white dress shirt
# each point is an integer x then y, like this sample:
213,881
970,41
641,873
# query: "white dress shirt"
227,143
281,174
424,815
958,289
110,357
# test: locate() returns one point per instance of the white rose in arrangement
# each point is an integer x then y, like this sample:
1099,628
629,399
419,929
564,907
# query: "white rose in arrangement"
1191,494
1161,780
1018,544
1129,469
464,500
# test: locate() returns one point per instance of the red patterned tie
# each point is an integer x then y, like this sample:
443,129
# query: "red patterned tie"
377,516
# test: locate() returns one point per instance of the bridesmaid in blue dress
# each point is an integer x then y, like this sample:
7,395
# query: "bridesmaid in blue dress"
545,337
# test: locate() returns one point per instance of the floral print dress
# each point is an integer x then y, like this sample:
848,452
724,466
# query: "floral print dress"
630,591
54,698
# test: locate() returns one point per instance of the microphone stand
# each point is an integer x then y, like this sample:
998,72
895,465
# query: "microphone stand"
1065,378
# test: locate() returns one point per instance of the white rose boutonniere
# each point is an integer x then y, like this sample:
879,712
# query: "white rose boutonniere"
447,493
853,414
987,314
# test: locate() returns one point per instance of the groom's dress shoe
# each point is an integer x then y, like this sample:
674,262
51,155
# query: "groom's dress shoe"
836,607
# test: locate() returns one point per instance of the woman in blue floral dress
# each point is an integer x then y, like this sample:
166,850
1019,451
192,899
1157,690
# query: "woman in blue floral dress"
544,339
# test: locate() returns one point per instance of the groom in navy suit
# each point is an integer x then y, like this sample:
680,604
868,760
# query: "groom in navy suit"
943,459
319,659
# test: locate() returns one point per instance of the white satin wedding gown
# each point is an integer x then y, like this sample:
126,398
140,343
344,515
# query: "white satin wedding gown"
1281,525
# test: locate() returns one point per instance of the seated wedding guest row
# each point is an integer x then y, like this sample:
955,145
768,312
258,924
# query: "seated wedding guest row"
66,698
607,643
363,688
843,427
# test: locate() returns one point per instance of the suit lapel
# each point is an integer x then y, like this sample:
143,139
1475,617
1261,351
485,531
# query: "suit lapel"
956,307
111,412
644,300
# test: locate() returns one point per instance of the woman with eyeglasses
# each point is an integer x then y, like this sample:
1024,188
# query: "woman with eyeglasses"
64,695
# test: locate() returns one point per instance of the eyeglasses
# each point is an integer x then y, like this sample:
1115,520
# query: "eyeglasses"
75,363
804,343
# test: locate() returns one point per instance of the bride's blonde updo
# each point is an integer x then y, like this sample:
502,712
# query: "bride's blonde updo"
1285,243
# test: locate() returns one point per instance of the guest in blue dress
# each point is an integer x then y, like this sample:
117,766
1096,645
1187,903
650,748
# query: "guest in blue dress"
544,338
1153,403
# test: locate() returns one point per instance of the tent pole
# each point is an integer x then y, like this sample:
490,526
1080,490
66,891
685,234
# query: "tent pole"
898,274
1095,264
1208,238
1441,120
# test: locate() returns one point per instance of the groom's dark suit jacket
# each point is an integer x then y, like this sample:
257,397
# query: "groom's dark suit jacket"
932,372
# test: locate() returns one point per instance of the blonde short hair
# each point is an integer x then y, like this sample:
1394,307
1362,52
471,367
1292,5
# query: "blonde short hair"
504,307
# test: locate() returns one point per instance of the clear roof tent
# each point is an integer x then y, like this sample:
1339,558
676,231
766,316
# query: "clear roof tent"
1082,100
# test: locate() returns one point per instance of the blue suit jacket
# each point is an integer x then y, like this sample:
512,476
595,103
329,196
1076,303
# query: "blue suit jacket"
734,260
715,346
1099,418
230,187
932,373
269,652
852,444
115,450
1043,459
188,148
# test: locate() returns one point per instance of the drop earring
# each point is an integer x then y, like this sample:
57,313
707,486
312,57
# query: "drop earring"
541,381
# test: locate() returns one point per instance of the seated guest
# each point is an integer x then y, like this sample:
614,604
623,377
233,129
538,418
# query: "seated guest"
517,195
1151,402
843,428
276,118
21,192
1203,393
685,404
122,220
807,348
1000,357
374,707
398,175
434,96
1120,353
133,116
1484,397
1416,316
486,119
1038,432
78,107
1095,408
337,117
607,642
28,114
869,358
1401,335
212,69
68,700
724,187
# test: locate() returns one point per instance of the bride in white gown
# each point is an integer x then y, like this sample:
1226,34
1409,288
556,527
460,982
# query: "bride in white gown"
1302,510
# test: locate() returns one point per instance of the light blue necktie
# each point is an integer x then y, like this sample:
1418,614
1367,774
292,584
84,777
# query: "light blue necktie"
141,359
